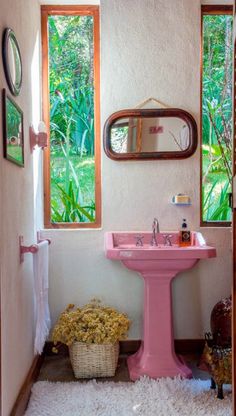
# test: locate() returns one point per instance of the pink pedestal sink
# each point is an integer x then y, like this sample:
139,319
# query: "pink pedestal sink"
158,265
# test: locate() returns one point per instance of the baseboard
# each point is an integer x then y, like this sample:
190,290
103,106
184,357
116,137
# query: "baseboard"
182,346
24,394
62,349
189,346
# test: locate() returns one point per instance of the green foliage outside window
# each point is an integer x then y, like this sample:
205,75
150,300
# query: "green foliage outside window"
216,117
71,79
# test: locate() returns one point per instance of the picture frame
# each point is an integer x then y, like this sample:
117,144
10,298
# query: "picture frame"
13,131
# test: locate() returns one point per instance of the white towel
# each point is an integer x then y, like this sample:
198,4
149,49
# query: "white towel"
43,321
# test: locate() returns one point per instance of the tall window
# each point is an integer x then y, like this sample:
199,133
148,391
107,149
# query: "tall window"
70,42
216,150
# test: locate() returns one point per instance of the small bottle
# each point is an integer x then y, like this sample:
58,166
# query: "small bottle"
184,235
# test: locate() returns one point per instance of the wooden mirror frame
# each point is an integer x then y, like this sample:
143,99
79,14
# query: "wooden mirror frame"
14,87
145,113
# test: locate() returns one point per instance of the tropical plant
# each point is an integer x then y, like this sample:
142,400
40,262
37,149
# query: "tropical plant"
216,203
72,210
71,116
217,117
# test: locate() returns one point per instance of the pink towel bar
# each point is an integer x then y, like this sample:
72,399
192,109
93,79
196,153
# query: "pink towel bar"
30,249
39,239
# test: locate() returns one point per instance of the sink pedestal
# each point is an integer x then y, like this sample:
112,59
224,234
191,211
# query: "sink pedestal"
156,357
158,265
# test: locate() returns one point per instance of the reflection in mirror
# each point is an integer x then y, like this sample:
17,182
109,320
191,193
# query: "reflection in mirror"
156,134
150,133
12,61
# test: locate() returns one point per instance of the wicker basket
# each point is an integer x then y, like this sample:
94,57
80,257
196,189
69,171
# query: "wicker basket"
94,360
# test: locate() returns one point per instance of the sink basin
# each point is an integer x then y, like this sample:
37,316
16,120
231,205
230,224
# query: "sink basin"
122,245
158,265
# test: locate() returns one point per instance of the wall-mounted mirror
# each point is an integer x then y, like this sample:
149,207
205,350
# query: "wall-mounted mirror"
12,61
150,134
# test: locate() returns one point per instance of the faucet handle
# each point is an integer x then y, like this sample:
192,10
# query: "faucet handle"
139,240
167,239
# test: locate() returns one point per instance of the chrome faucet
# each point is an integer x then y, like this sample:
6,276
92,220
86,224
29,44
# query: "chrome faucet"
155,231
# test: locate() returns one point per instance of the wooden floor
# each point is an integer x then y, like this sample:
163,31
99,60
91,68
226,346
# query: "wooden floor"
58,368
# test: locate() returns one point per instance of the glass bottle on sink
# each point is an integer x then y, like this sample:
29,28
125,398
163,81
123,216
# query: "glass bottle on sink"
184,235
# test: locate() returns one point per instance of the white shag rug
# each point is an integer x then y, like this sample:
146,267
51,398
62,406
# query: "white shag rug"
145,397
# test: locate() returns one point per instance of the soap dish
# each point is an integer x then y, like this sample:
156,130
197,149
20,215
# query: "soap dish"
181,199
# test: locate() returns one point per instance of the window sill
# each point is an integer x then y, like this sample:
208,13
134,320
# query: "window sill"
226,224
52,229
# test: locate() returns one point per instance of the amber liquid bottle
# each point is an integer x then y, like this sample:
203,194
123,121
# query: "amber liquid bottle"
184,235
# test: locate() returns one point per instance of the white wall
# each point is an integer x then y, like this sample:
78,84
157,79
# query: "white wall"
218,2
148,48
18,209
69,2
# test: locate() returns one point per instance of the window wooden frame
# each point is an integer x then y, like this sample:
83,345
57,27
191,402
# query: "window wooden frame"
234,225
71,11
209,10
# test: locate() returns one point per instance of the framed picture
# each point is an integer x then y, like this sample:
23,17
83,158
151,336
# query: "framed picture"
13,134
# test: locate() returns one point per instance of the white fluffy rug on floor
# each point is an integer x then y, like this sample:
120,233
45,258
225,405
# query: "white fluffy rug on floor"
146,397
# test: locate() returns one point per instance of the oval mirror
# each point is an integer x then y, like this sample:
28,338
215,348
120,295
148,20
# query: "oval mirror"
150,134
12,61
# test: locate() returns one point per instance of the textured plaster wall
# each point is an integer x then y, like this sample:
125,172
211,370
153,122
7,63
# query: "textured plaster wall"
148,48
18,200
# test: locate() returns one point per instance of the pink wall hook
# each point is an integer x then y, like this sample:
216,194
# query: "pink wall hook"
26,249
33,248
40,138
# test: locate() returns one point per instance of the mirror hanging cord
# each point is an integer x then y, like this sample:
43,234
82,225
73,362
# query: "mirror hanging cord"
148,100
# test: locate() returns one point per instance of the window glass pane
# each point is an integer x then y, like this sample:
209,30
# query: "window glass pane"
216,117
71,80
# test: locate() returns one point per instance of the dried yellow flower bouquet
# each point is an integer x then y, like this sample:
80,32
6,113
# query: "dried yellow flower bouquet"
92,324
